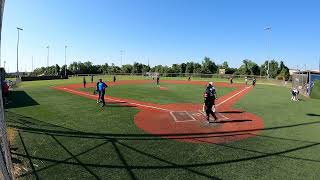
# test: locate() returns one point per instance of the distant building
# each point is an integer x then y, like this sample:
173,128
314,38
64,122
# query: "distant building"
293,71
222,71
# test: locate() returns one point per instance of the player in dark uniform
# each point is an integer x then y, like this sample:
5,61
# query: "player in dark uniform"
210,96
97,91
102,90
84,82
158,80
114,79
254,81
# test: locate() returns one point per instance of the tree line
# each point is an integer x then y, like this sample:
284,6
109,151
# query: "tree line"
208,66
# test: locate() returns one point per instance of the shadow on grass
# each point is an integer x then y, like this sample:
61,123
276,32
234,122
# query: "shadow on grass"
232,121
231,112
27,125
20,99
315,115
109,105
122,102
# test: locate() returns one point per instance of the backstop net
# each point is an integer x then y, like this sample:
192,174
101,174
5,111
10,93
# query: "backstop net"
300,82
315,86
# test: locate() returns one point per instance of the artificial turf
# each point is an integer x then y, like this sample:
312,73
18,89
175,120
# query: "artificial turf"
64,136
150,92
315,93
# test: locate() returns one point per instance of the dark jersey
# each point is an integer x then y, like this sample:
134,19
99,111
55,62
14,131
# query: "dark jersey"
97,86
210,95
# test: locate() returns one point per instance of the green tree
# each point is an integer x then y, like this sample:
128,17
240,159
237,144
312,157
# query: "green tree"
183,68
208,66
283,71
158,68
145,68
273,69
189,67
224,65
248,68
127,68
175,68
137,68
197,68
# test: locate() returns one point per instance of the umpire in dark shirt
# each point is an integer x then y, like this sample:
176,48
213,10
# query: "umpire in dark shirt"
210,96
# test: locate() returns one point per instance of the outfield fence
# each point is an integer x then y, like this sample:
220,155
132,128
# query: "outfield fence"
186,75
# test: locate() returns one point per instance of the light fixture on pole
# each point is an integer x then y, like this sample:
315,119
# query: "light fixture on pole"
18,29
268,29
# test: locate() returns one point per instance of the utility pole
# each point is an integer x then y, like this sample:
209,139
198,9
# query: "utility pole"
48,47
319,64
19,29
121,54
65,60
268,29
32,64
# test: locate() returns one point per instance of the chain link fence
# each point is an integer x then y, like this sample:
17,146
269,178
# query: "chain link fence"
186,75
5,155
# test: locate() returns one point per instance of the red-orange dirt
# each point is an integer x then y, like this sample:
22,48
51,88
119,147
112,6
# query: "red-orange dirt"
163,88
187,122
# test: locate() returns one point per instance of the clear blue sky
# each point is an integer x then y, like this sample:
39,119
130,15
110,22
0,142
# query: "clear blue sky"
165,31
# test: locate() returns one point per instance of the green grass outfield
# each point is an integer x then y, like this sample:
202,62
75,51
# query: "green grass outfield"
63,136
150,92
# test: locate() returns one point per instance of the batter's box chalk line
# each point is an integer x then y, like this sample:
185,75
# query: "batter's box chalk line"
189,116
186,116
219,115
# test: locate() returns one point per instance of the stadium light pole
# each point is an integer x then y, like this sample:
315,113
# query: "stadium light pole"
18,29
4,65
65,60
121,54
268,29
48,47
32,64
319,64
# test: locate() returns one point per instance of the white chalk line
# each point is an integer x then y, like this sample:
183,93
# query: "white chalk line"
225,118
175,118
137,104
232,96
163,109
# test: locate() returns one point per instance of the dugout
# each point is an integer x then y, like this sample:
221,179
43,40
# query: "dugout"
306,82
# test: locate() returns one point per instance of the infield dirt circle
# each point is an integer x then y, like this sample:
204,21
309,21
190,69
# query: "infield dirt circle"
187,122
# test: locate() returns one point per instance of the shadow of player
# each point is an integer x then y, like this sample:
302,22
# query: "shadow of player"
232,121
